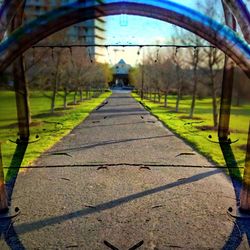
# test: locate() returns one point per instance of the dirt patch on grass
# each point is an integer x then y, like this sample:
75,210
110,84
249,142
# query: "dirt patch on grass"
242,147
61,109
44,115
193,118
206,127
238,131
74,104
15,125
36,124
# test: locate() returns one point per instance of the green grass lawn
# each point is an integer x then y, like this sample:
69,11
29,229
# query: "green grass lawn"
49,127
196,131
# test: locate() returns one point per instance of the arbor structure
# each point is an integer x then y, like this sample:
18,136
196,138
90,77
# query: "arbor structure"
219,35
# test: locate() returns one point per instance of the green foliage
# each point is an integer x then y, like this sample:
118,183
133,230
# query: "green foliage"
199,132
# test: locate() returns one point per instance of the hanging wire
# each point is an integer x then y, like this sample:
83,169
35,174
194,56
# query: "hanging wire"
110,61
70,51
157,54
90,57
176,54
71,55
176,51
196,54
52,54
138,54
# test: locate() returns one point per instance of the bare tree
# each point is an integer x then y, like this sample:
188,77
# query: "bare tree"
176,56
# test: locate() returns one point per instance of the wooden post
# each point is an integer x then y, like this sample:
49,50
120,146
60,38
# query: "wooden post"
22,99
7,12
20,85
226,99
3,194
245,192
227,85
142,81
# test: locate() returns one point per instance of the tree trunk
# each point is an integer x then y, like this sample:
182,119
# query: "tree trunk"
81,95
55,86
159,96
178,100
154,97
65,100
179,89
214,102
215,112
20,84
3,193
22,99
165,99
53,99
194,92
75,95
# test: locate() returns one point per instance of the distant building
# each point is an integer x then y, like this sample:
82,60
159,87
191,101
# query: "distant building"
89,32
121,73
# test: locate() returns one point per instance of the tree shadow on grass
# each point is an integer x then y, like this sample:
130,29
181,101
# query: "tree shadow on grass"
7,230
241,226
48,114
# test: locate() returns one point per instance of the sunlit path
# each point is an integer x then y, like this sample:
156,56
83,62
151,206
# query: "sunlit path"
80,206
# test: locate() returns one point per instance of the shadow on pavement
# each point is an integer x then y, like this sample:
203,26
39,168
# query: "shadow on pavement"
99,144
116,124
7,230
241,226
36,225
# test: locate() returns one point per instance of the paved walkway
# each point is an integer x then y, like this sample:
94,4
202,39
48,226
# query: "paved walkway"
86,206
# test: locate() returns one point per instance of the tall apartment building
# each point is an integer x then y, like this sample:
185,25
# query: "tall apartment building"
89,32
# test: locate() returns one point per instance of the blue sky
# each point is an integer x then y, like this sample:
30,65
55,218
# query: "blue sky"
135,29
129,29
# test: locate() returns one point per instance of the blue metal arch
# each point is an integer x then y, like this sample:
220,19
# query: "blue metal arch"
217,34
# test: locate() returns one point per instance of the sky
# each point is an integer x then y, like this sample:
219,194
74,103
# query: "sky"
127,29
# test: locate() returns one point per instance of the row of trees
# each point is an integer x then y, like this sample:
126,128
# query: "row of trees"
61,71
192,71
181,71
196,72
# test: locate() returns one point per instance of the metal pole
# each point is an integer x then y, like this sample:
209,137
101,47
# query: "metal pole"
226,99
245,191
3,194
227,85
22,99
142,77
142,82
20,85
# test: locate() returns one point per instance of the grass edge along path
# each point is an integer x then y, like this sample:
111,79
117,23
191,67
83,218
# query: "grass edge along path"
52,129
197,140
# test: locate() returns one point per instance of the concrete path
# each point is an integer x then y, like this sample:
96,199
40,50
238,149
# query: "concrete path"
82,205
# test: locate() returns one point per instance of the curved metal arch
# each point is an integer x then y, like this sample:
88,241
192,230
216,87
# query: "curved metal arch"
217,34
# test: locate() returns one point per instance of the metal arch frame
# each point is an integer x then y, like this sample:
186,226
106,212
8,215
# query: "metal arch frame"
8,11
217,34
241,14
220,36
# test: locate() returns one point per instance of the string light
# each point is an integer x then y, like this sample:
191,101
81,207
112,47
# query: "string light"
52,53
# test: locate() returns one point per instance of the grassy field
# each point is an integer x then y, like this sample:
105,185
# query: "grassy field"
198,133
48,128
